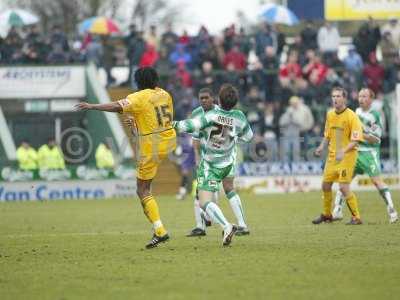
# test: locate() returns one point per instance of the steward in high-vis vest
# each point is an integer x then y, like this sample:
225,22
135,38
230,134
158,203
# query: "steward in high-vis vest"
50,156
27,157
104,157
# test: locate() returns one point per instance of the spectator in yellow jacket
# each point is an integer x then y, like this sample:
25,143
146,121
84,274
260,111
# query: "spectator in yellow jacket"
104,157
50,156
27,157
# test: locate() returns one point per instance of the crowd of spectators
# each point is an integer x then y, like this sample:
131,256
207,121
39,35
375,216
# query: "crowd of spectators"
284,87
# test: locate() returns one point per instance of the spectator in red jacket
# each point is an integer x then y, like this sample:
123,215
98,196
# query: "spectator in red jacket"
149,57
315,71
184,39
374,73
290,75
236,58
183,75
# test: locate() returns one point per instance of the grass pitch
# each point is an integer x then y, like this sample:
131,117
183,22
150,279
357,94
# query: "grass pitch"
95,250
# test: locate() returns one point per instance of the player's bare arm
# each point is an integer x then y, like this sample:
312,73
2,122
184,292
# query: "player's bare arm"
196,147
340,154
321,147
110,107
371,138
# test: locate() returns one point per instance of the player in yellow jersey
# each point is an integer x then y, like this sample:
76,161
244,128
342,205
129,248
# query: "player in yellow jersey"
152,111
343,131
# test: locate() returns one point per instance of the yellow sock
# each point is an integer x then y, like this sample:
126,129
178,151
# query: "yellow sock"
150,209
327,203
352,204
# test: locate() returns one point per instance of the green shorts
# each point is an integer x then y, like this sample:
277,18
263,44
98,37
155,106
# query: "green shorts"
368,162
210,177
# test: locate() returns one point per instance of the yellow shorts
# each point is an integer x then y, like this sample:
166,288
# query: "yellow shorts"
153,151
339,171
147,168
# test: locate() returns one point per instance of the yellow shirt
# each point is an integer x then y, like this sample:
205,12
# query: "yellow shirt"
50,158
153,112
27,158
340,129
104,157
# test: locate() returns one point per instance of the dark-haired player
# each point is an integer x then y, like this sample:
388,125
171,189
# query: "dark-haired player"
206,99
152,111
224,127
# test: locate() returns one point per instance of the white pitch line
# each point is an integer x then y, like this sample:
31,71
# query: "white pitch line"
28,235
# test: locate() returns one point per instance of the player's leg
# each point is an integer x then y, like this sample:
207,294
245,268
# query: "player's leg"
326,215
209,179
373,169
184,183
352,203
236,205
387,197
217,216
337,213
359,169
200,229
146,172
201,218
330,175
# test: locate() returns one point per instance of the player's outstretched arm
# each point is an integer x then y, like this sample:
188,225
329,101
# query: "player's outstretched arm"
246,135
110,107
191,125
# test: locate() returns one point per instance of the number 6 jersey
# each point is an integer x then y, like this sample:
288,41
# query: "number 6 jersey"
219,131
152,110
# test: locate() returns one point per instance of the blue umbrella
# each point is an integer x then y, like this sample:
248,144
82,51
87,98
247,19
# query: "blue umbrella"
85,25
274,13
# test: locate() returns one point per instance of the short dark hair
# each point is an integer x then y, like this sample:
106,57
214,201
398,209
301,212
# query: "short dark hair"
206,90
340,89
146,78
228,96
371,92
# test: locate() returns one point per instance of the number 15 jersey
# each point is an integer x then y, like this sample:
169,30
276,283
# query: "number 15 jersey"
152,110
219,132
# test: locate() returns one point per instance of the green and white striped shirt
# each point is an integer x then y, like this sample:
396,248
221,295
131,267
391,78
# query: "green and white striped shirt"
372,125
219,131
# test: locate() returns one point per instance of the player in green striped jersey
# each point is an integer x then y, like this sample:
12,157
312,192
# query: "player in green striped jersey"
206,99
368,160
224,127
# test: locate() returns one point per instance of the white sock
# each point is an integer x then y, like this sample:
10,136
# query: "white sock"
236,205
216,214
387,197
197,214
338,203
